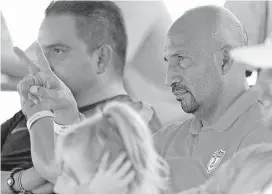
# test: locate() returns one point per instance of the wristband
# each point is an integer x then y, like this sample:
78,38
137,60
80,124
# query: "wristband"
61,129
64,129
38,116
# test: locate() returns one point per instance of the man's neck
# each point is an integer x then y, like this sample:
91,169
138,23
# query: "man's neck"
93,96
228,98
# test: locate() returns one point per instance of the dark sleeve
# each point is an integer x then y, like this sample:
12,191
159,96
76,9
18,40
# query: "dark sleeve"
9,125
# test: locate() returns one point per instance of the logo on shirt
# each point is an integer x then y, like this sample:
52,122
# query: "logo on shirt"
215,160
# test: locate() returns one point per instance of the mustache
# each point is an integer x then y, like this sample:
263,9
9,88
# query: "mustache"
176,86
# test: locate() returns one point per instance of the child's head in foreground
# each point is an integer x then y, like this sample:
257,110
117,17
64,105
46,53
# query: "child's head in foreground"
116,128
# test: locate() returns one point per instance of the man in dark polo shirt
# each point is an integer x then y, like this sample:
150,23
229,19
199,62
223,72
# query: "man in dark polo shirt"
85,44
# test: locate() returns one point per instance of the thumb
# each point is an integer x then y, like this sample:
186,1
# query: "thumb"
44,189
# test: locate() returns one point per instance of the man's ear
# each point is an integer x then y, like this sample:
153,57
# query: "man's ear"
223,59
227,62
104,58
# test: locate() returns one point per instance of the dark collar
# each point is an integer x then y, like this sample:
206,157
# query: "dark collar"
103,102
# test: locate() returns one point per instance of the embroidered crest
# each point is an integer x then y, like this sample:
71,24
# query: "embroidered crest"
215,160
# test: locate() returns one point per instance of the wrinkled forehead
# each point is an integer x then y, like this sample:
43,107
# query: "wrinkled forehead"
176,43
185,44
192,36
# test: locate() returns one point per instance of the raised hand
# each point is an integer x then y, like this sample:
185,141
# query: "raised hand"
43,90
28,101
117,176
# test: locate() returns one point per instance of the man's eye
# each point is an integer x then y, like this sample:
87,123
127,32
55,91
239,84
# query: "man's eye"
181,58
183,63
57,51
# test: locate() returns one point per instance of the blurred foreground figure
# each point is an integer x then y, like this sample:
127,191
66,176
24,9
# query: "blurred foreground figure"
256,18
115,128
247,172
228,115
259,56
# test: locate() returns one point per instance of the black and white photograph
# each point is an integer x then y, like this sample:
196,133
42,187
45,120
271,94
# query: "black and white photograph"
136,97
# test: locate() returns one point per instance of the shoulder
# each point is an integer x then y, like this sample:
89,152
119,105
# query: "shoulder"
151,117
13,121
148,113
165,136
258,133
10,127
173,128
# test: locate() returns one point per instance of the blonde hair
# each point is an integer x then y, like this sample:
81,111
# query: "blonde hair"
248,172
151,170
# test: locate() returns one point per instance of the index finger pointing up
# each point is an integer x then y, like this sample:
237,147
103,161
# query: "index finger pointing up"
22,56
43,63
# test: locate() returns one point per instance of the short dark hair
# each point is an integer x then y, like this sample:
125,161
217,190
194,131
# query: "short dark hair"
98,22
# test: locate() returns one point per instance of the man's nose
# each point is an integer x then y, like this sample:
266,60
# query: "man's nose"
172,77
168,78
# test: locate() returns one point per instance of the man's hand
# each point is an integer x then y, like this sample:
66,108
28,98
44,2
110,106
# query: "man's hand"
46,90
28,101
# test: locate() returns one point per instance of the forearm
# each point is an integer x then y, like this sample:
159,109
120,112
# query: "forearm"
42,148
43,137
43,140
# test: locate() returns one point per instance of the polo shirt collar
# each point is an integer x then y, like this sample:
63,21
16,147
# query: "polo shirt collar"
232,114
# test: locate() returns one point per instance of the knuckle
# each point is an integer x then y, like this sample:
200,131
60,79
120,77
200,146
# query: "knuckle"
21,87
39,90
30,82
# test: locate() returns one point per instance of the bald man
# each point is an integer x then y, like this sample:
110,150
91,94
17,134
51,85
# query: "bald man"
212,87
